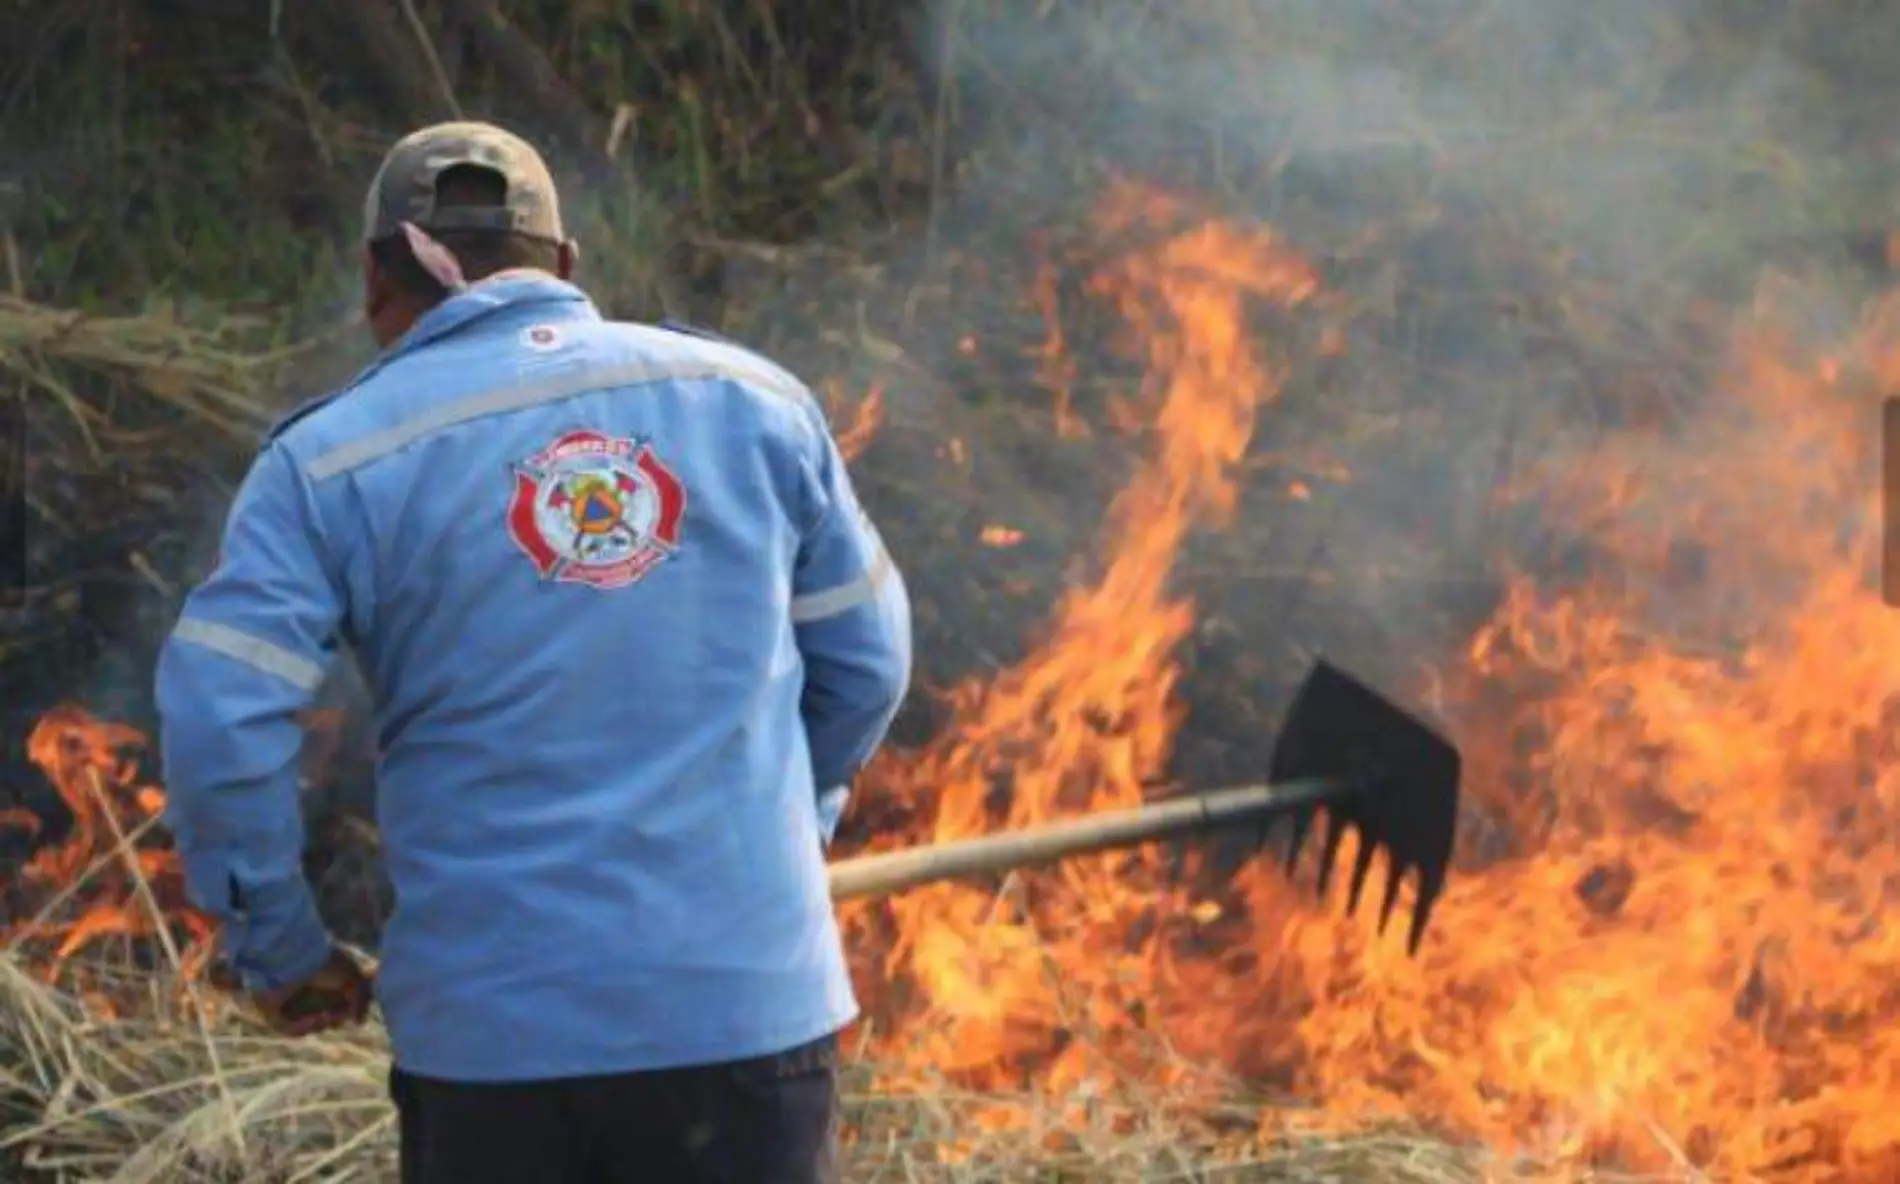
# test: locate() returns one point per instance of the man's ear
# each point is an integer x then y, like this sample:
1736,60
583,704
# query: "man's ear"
568,259
375,286
385,308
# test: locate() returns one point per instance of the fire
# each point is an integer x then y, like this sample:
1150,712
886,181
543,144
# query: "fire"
866,417
1681,959
99,882
1054,361
1672,947
1697,939
1086,721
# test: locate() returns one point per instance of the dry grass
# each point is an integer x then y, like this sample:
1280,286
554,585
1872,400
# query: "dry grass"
152,1097
206,367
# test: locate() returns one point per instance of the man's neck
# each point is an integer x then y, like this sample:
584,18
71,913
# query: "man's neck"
514,273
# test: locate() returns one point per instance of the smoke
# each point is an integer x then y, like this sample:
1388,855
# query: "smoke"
1544,216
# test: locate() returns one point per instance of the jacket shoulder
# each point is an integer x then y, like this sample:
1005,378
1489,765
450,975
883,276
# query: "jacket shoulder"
691,330
308,409
298,414
731,358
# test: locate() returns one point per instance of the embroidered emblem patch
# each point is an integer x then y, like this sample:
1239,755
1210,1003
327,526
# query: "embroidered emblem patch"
596,510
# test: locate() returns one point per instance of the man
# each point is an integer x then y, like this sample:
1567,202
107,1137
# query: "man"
631,636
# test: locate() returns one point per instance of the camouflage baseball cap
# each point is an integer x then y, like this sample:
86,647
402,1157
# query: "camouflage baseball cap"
405,185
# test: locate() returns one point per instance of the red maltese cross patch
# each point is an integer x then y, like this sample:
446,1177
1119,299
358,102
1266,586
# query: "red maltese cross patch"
596,510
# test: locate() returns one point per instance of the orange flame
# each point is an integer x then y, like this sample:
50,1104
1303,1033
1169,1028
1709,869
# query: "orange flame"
1085,722
867,416
128,890
1057,365
1686,964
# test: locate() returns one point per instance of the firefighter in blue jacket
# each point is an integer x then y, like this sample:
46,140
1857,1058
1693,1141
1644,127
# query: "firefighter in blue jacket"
631,636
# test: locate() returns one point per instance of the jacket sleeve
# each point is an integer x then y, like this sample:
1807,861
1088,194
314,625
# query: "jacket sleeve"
851,616
249,651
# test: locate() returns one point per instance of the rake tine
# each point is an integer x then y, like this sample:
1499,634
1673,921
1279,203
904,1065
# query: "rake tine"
1429,889
1361,867
1329,854
1302,824
1393,881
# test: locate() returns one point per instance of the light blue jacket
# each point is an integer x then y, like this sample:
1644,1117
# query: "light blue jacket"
631,635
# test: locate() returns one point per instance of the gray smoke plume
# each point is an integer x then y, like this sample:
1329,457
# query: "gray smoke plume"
1536,210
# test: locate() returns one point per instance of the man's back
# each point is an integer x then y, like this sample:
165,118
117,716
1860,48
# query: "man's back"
610,583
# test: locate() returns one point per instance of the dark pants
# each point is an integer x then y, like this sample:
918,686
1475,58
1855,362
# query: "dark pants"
767,1121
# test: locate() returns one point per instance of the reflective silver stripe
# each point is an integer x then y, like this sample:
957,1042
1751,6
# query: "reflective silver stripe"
816,606
263,655
708,360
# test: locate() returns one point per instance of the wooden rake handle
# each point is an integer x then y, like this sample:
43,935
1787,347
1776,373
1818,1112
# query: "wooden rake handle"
891,872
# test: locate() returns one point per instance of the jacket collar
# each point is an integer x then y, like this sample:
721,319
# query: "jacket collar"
505,290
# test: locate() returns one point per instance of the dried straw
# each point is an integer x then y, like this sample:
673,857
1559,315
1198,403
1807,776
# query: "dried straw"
215,371
147,1098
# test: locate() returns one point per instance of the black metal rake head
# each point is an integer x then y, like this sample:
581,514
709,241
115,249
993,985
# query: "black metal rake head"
1399,788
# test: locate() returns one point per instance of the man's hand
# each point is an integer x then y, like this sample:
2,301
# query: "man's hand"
336,996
